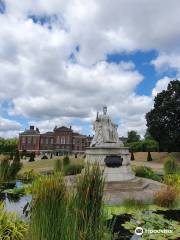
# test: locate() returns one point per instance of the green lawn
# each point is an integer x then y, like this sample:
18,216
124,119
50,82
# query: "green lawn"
44,165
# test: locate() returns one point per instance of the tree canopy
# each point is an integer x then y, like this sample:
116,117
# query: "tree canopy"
163,121
8,145
133,136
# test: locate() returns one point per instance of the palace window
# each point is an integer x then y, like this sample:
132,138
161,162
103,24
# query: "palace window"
47,141
34,140
63,140
23,140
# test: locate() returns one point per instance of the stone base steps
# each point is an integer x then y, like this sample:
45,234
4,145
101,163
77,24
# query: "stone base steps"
135,184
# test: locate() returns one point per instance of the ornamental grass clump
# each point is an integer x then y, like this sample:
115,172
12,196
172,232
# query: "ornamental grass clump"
171,167
58,165
11,226
9,168
61,214
49,208
166,197
89,204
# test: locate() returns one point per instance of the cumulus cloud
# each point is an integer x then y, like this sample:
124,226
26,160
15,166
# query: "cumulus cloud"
161,85
9,128
57,70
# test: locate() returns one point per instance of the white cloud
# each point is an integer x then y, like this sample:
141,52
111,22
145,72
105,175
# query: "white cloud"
9,128
40,80
161,85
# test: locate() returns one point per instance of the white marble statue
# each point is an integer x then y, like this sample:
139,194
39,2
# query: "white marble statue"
105,130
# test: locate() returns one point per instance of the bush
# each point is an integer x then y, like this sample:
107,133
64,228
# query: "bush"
170,166
58,165
9,168
149,158
146,172
173,180
66,161
73,169
132,156
32,156
166,197
44,157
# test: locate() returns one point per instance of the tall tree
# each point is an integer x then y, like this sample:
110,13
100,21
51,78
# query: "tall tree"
163,121
133,136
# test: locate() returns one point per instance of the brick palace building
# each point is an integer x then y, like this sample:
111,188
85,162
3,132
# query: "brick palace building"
61,141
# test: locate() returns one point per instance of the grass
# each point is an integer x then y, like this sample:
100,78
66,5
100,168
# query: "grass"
60,214
157,157
45,164
11,226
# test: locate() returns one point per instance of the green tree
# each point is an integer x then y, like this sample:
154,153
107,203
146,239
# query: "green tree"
133,136
163,121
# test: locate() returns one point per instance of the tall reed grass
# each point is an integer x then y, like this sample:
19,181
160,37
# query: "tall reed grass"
8,168
58,214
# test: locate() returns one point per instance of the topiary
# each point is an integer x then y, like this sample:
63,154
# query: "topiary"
32,156
132,156
149,158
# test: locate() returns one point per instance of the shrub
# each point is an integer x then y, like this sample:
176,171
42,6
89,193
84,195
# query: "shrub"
149,158
44,157
28,175
58,165
9,168
146,172
73,169
132,156
32,156
15,167
173,180
66,161
166,197
11,226
170,166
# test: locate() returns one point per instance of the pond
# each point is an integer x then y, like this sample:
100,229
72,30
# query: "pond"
14,202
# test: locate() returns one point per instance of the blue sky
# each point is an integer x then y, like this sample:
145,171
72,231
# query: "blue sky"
61,61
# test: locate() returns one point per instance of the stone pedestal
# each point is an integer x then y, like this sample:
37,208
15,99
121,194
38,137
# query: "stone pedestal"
111,174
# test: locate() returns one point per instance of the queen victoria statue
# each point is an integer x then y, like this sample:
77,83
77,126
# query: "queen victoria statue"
105,131
107,150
